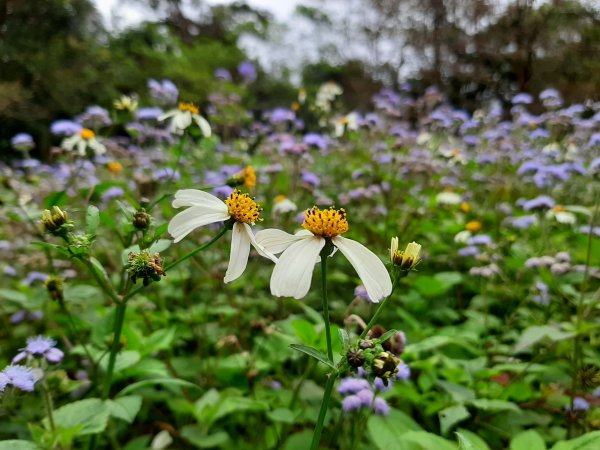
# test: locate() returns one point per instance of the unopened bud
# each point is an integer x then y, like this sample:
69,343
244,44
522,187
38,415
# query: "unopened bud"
54,286
146,266
53,221
141,219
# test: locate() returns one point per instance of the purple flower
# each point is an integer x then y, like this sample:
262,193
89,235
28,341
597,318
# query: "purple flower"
310,178
366,397
247,71
522,222
33,277
381,407
522,99
586,230
543,201
351,385
351,403
222,74
480,239
21,377
279,115
10,271
471,250
65,128
579,404
361,292
316,140
148,113
112,193
4,380
542,297
164,92
22,141
403,371
167,173
380,385
40,345
94,117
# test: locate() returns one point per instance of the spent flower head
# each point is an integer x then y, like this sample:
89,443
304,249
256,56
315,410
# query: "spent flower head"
55,286
144,265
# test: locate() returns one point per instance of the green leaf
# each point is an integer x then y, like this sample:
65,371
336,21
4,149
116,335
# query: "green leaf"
13,296
125,408
98,268
160,246
47,245
534,334
589,441
386,431
89,416
92,220
235,404
282,415
468,440
17,444
314,353
125,253
159,381
124,360
345,340
388,334
494,405
428,441
197,438
528,440
451,416
299,441
159,340
55,199
459,394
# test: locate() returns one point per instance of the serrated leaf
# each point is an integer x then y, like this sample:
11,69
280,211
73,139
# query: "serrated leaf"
314,353
88,416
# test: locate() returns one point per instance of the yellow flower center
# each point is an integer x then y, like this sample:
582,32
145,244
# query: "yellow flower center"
279,199
188,107
114,167
465,207
473,226
559,208
87,134
249,177
326,223
242,208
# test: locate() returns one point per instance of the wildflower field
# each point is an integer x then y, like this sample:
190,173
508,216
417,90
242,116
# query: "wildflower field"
195,275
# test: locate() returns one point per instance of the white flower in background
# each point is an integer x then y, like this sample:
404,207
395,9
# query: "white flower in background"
184,116
205,209
326,95
448,198
283,205
455,155
462,237
561,214
300,252
348,122
85,139
126,103
423,138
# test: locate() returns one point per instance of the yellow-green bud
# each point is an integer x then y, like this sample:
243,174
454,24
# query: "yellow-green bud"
53,220
141,219
146,266
385,365
407,259
54,286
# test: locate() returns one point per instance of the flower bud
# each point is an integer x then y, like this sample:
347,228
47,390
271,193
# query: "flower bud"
407,259
141,219
355,357
146,266
385,365
246,177
54,220
54,286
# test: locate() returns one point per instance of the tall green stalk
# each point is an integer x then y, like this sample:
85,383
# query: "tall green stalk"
331,377
116,344
379,310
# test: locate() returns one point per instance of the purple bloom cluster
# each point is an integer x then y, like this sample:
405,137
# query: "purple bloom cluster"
359,394
21,377
40,346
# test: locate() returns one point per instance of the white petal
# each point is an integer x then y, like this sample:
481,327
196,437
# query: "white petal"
81,147
70,142
187,221
182,120
293,272
240,249
369,267
262,251
97,147
194,197
276,241
167,115
203,124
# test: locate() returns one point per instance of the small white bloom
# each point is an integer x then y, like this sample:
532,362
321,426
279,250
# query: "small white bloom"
85,139
561,215
348,122
448,198
293,271
184,116
205,209
283,205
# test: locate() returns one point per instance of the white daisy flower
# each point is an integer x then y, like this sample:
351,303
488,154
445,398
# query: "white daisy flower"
346,123
205,209
293,271
562,215
184,116
283,205
83,140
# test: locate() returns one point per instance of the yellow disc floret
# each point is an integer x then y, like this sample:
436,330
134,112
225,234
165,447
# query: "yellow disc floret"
87,134
188,107
242,208
326,223
474,226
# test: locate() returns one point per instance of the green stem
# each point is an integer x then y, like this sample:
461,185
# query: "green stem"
48,404
116,344
324,404
332,375
379,310
324,255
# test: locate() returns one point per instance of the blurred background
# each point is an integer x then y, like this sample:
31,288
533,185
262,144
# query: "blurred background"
59,56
